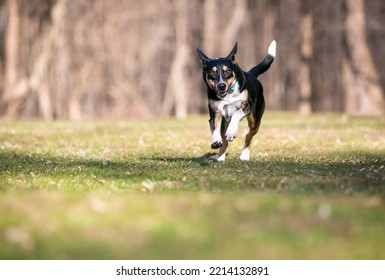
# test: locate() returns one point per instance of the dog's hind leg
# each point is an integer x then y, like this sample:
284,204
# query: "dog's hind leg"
222,152
253,129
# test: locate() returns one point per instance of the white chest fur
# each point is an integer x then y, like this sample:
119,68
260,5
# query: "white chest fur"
230,104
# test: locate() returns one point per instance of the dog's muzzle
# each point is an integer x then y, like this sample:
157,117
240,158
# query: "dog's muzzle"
221,90
221,87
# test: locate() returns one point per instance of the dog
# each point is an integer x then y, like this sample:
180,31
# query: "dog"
234,94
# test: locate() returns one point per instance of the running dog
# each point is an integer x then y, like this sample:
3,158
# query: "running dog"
232,95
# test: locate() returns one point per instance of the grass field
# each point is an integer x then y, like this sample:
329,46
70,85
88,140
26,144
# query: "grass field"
314,189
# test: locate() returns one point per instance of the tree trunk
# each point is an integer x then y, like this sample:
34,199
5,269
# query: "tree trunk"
12,99
326,63
210,27
304,78
362,82
230,31
28,55
176,90
62,89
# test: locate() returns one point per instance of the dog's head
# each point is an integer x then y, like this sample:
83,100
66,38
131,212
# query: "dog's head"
220,73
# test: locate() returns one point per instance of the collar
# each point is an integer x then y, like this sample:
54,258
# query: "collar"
232,88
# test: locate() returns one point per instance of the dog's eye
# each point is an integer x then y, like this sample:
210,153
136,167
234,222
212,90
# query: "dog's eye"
213,75
228,74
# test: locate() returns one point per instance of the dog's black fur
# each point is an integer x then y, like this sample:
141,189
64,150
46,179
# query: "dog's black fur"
234,94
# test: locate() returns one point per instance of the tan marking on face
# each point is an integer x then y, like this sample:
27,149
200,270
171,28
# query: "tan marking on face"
230,81
225,68
214,69
212,83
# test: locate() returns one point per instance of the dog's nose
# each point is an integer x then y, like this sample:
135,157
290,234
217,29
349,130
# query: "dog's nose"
221,86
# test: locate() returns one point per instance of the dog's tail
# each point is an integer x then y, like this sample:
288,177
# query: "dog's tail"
266,62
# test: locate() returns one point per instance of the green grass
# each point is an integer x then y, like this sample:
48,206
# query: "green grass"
314,189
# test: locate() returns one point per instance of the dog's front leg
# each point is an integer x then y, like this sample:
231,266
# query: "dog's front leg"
217,138
222,151
232,130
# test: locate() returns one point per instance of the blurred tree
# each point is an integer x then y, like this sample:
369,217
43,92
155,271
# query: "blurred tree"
12,53
136,59
177,87
304,76
363,85
327,55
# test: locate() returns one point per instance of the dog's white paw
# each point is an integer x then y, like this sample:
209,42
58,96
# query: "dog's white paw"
245,154
221,158
231,133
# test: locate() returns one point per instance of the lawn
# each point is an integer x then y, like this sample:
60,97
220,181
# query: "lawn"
314,189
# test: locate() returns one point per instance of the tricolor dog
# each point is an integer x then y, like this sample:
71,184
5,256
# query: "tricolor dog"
232,95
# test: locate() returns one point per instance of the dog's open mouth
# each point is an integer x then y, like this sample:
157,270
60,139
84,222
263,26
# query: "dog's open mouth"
221,94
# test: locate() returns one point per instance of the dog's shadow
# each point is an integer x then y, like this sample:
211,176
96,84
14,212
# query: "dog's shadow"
203,160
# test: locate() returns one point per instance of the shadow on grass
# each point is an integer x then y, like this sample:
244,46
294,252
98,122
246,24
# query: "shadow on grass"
360,172
204,160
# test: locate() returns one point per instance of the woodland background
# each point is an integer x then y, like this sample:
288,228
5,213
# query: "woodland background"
63,59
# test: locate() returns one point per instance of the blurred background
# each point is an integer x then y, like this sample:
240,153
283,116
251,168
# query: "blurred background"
125,59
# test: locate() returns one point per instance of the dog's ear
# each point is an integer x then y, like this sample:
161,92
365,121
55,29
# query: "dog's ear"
231,55
204,59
